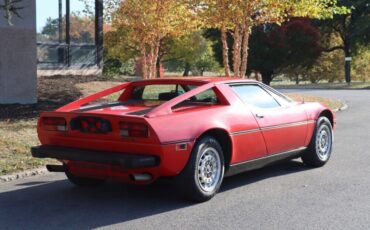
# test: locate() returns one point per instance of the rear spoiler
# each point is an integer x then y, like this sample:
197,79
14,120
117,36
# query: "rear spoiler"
93,97
166,108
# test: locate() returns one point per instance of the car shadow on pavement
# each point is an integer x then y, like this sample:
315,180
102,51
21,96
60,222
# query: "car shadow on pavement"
277,169
60,205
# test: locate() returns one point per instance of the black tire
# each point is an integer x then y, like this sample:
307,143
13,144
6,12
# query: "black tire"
206,163
83,181
319,150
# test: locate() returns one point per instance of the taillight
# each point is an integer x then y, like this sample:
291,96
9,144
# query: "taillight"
54,124
133,129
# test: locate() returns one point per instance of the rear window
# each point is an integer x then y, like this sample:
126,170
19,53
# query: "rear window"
164,92
159,93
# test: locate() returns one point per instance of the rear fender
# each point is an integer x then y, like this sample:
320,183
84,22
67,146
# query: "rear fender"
314,110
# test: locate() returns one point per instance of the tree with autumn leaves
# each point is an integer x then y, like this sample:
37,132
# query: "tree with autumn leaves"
148,23
239,16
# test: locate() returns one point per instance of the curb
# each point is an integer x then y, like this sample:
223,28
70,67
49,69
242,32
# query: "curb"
344,107
24,174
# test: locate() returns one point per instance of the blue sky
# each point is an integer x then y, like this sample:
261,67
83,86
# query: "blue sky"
49,8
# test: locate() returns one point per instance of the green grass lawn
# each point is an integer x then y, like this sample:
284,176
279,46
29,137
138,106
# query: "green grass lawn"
16,139
18,122
324,85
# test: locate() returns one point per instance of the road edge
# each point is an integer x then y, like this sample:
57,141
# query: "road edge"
23,174
344,107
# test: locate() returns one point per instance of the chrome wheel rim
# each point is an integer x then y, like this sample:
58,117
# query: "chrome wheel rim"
209,169
323,142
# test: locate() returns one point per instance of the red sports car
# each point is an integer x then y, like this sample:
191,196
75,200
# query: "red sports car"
197,130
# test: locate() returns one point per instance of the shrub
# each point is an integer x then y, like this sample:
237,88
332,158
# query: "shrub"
361,67
114,67
329,66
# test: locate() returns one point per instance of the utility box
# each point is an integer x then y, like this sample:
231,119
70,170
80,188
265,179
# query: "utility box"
18,57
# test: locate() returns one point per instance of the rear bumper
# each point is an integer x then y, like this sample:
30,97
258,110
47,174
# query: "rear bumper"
125,160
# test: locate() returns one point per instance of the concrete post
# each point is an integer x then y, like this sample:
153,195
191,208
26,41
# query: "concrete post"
18,60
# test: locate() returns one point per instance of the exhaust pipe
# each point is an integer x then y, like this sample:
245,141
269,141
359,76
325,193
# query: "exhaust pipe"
141,177
55,168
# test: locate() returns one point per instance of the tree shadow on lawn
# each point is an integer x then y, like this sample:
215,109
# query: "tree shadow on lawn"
53,92
60,205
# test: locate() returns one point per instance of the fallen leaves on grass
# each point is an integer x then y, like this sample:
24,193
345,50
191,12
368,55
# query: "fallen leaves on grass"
16,139
331,103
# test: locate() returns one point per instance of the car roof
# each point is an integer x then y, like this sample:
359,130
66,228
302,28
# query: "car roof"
204,80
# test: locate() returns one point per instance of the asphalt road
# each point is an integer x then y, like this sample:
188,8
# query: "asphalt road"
285,196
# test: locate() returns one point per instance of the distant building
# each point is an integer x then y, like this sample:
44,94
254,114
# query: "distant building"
70,38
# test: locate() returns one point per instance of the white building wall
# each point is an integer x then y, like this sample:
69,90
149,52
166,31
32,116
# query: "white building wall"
18,60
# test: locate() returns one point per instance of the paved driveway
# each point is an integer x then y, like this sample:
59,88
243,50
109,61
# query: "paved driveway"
284,196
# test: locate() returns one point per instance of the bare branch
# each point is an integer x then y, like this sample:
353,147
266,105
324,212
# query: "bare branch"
332,49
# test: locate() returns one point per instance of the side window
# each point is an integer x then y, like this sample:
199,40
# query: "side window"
255,95
280,98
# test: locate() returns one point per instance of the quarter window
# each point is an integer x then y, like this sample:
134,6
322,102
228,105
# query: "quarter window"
208,96
255,95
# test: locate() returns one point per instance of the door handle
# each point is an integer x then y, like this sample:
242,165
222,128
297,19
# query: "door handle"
258,115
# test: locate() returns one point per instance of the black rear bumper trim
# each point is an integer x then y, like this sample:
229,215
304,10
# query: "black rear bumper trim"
127,161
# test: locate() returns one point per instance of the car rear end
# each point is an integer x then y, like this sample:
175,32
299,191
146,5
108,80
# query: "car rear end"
133,139
107,146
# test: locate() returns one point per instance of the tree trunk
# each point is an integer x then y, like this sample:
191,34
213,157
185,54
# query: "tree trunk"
158,67
149,64
297,79
347,64
144,64
257,75
156,59
153,60
244,65
187,70
225,51
266,77
236,51
202,71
